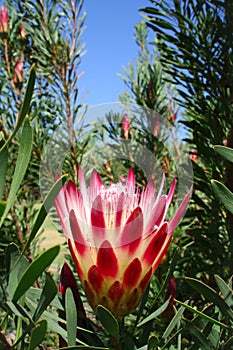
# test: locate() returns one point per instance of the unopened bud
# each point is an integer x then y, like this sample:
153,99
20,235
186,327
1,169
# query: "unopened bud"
125,127
3,20
22,33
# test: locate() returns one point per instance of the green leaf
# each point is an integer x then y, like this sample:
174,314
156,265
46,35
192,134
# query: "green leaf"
15,268
225,152
24,107
35,294
34,270
3,162
201,342
48,294
225,290
225,195
108,321
38,334
199,313
210,295
51,318
48,203
228,344
19,311
156,313
71,317
174,322
21,165
2,207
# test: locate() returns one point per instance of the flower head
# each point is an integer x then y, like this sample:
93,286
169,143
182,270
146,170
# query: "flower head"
117,236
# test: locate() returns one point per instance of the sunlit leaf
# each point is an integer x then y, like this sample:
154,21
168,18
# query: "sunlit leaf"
34,270
47,204
24,107
21,165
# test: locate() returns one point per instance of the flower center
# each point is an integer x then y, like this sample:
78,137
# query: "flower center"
110,201
112,193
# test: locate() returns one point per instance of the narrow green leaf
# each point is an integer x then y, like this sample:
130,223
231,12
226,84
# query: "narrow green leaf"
19,311
171,339
48,293
201,342
225,290
199,313
48,203
71,317
228,344
25,105
108,321
35,294
225,195
38,334
34,270
156,313
15,268
2,207
51,318
3,162
21,165
174,322
225,152
210,295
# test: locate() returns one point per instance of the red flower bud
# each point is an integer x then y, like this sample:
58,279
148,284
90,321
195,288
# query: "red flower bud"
193,154
22,32
171,293
3,20
125,127
67,280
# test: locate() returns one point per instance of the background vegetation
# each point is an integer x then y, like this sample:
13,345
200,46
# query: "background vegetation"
186,75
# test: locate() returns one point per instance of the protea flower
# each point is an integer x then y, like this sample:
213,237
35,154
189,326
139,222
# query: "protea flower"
117,236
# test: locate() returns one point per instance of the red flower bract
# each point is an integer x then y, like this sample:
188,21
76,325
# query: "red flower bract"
117,236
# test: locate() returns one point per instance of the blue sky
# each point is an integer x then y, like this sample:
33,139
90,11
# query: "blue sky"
110,45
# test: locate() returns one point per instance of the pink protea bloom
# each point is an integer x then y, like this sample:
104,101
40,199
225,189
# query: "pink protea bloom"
3,20
117,236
